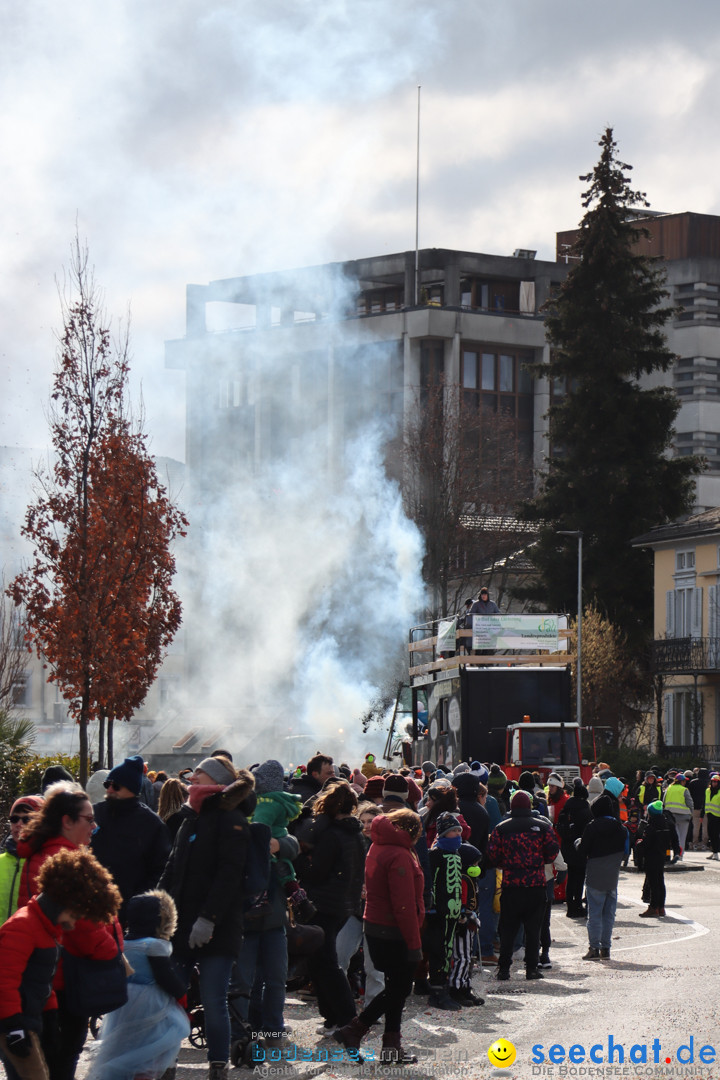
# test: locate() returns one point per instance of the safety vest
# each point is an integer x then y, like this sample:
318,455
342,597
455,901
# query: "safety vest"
675,801
712,801
641,793
623,805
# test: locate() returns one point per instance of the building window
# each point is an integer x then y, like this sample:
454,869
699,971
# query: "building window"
432,363
683,718
684,612
685,560
21,691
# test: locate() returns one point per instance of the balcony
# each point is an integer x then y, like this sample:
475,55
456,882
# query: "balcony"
686,655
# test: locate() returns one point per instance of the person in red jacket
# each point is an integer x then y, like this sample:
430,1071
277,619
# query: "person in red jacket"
72,886
394,913
64,823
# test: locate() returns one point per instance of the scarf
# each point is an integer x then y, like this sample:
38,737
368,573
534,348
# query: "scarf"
448,843
198,793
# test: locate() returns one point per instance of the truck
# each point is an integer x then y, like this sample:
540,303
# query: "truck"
510,709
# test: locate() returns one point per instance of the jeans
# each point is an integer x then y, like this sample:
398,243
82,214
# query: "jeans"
257,988
349,940
601,905
485,913
214,973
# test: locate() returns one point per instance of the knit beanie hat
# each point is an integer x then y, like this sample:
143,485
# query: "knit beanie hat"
461,768
358,779
595,788
602,806
129,774
556,779
395,785
614,786
414,792
579,789
374,788
217,772
27,802
428,767
520,802
655,807
53,774
269,776
445,823
482,774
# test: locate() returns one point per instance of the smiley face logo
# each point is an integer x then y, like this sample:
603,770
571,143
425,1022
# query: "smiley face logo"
502,1053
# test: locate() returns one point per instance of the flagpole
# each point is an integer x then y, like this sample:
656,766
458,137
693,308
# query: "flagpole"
417,206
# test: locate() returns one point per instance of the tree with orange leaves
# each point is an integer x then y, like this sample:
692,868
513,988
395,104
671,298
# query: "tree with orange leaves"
98,595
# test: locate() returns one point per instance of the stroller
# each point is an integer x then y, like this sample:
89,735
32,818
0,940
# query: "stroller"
242,1049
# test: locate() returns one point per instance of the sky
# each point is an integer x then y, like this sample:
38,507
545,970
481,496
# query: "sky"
207,139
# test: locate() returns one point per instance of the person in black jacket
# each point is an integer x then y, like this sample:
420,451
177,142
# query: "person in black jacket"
129,839
657,836
204,876
333,878
574,816
319,770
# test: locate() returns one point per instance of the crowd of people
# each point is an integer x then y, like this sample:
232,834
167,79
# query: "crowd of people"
362,885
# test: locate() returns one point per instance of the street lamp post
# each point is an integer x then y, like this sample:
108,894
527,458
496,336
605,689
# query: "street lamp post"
578,680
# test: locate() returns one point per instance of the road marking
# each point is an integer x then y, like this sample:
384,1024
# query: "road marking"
697,930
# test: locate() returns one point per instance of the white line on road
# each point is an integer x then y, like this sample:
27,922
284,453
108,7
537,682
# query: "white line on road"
696,930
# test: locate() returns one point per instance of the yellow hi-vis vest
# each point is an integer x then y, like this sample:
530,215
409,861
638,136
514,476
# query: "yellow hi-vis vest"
675,801
712,801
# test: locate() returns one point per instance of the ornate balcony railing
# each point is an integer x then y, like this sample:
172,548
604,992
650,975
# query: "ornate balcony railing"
676,656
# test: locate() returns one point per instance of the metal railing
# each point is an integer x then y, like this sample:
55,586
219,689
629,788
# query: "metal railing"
686,654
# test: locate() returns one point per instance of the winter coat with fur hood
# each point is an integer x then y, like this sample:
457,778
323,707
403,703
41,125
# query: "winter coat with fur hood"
204,874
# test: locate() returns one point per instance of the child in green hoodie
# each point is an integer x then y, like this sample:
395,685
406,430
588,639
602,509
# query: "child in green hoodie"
276,808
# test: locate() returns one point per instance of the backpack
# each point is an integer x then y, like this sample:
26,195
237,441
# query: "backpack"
256,878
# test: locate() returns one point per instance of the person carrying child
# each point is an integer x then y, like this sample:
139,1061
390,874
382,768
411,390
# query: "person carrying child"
141,1040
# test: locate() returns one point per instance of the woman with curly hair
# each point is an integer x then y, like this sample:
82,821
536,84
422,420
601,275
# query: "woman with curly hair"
333,880
65,822
73,890
204,876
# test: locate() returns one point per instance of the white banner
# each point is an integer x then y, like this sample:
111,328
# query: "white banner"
499,632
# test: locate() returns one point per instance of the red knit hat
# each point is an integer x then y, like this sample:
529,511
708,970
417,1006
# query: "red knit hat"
374,788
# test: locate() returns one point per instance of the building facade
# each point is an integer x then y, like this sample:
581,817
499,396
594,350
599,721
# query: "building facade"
686,650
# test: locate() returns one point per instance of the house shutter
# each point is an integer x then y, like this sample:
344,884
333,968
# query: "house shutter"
670,613
669,702
696,599
713,628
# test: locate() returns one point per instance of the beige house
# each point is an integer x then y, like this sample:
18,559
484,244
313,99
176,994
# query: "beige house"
686,650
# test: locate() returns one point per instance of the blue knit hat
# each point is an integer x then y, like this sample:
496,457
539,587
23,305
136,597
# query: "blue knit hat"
655,807
129,774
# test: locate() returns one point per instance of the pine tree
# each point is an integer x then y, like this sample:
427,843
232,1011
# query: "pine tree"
609,470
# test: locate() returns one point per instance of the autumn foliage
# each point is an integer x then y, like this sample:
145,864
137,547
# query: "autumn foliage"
98,593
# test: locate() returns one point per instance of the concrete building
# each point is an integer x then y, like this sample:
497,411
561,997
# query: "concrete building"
267,354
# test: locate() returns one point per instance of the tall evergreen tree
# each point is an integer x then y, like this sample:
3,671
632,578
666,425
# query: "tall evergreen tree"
609,471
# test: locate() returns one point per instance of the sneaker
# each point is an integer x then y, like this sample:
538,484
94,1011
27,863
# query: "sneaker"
592,954
544,962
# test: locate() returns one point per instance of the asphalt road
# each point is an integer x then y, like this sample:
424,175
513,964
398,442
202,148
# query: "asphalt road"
657,994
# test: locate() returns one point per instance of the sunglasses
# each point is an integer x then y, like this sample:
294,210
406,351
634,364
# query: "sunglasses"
14,818
111,784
